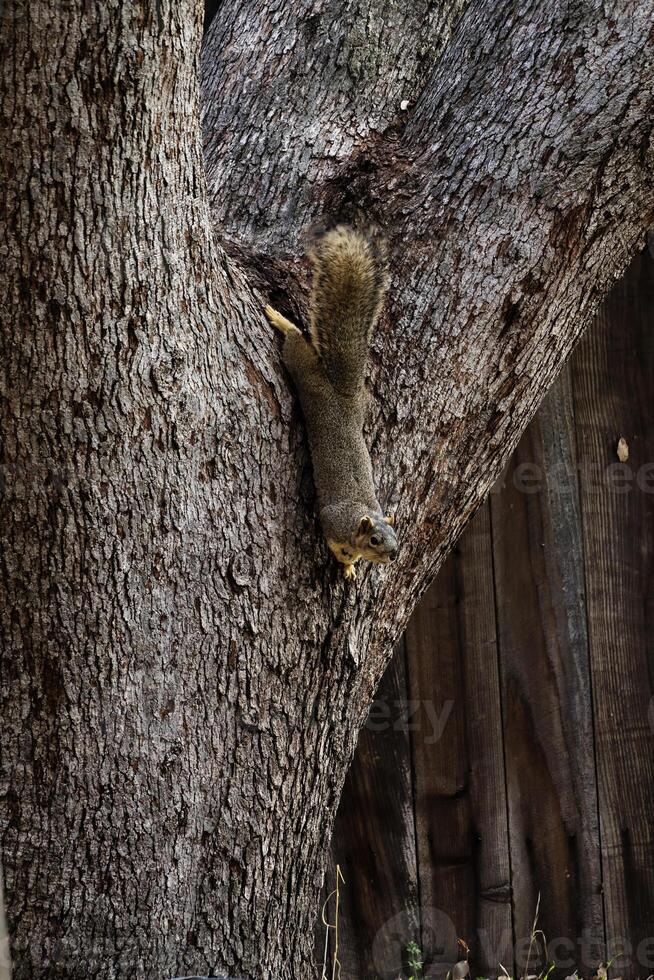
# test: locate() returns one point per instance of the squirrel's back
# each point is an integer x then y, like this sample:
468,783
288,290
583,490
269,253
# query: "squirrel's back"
349,285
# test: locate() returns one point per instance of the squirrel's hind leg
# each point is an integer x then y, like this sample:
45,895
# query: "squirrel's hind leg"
300,356
280,322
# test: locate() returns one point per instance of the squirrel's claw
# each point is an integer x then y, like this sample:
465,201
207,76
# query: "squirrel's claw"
280,322
349,572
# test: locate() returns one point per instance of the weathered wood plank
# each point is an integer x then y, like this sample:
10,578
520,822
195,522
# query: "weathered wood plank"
459,771
492,943
486,749
547,701
374,840
613,373
442,805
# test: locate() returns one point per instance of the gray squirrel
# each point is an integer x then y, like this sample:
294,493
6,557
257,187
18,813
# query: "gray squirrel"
348,289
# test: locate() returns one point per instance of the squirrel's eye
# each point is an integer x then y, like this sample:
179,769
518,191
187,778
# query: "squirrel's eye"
375,540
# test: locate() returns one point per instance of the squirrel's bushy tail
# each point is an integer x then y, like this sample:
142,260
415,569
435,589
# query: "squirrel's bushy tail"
349,285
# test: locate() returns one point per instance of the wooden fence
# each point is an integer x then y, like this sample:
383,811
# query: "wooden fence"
509,754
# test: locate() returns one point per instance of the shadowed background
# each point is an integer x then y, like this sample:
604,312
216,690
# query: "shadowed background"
509,751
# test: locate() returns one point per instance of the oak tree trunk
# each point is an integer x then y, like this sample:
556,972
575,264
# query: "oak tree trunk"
184,671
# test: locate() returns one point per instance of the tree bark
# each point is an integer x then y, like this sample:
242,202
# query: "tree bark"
5,962
184,672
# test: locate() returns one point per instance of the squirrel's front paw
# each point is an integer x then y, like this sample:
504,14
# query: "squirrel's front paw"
349,571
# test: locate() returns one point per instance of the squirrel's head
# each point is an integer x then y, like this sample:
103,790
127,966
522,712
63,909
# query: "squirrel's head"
375,538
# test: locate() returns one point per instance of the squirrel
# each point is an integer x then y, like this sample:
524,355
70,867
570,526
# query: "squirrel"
348,290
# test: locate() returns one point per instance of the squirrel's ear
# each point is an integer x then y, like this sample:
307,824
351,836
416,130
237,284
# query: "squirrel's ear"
365,524
390,519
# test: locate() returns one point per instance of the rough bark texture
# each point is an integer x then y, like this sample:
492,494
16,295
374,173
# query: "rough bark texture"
184,672
5,964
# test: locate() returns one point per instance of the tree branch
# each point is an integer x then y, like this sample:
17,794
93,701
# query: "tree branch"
513,192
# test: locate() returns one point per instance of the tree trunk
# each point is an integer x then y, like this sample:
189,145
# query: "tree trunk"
5,963
184,672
